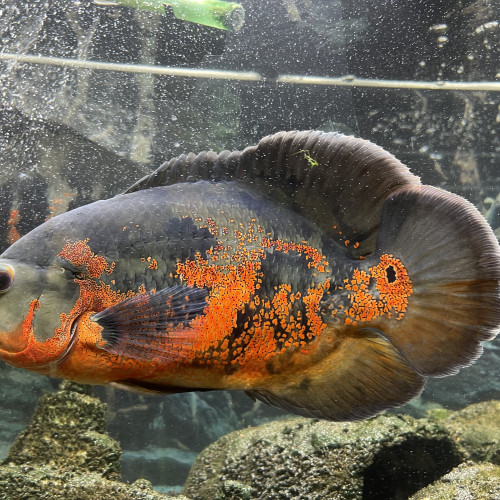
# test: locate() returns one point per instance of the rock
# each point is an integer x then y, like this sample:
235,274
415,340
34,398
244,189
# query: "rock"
65,452
476,430
468,481
68,430
19,482
385,457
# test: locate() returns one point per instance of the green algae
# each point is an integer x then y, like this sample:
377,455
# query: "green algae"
312,162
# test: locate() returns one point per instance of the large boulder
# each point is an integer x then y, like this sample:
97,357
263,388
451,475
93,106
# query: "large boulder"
312,459
389,457
468,481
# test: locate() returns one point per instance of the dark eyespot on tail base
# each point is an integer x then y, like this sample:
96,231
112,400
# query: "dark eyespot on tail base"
391,274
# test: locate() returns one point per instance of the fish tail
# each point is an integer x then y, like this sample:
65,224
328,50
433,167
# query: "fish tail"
452,263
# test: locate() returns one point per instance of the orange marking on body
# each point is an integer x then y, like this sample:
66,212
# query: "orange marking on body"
234,278
153,264
393,285
80,254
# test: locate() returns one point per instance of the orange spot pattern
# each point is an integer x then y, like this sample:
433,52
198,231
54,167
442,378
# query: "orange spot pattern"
392,294
95,296
80,255
270,324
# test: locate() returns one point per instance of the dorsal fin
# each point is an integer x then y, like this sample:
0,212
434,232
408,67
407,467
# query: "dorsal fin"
339,182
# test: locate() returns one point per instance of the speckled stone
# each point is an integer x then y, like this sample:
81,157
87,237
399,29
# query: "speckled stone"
21,482
68,430
65,453
476,430
468,481
311,459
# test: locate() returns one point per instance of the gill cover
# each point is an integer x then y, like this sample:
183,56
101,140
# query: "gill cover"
30,306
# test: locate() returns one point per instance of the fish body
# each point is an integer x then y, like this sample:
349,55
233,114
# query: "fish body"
225,272
137,243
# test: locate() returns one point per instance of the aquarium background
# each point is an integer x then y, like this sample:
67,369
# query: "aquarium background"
71,135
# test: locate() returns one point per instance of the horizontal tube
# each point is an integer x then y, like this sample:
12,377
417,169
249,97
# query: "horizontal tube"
251,76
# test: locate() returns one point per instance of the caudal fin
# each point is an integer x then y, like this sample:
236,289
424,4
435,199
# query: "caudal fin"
453,262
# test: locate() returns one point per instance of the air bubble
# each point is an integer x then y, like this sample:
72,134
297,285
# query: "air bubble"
439,28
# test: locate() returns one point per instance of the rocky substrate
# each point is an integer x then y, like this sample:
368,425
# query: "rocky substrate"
65,452
388,457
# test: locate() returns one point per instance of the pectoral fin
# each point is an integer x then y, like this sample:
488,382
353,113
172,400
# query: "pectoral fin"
364,376
152,325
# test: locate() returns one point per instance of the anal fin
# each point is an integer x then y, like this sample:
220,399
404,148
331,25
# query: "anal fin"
150,388
364,376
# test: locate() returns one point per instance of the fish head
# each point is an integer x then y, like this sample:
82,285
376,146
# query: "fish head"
33,298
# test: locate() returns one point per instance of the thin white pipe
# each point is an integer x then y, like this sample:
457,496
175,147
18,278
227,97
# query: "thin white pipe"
343,81
133,68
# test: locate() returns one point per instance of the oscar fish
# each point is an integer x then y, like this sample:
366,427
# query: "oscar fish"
313,271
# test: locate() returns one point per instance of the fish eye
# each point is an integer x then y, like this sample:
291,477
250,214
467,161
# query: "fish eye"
6,277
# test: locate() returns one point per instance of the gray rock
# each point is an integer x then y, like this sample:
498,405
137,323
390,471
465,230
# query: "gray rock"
67,430
19,482
386,457
468,481
65,452
476,430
